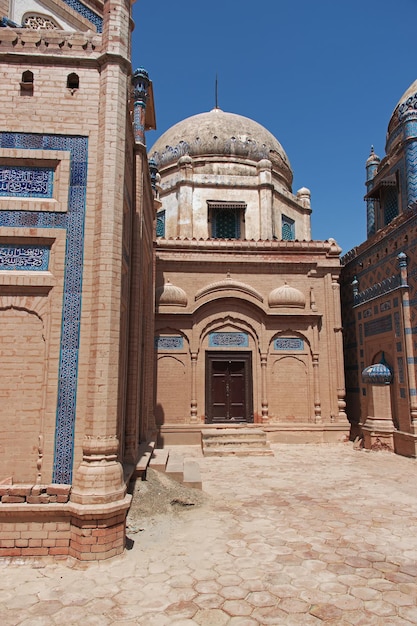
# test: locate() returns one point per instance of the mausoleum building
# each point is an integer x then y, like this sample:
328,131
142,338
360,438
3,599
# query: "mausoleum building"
379,294
248,323
76,276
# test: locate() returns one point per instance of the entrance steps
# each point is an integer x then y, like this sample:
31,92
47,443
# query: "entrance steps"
235,442
184,471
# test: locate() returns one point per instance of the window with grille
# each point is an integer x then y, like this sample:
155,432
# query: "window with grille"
37,21
160,224
226,219
287,228
390,204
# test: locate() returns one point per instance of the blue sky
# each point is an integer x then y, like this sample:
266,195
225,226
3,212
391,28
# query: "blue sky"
323,77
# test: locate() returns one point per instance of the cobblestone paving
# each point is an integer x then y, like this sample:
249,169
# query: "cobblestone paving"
316,535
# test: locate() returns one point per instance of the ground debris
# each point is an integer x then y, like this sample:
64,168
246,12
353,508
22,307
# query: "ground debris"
159,495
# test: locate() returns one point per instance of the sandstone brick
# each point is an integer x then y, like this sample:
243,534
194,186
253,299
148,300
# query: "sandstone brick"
12,499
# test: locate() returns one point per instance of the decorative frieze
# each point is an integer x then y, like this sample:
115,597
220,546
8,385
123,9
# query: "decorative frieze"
169,343
26,182
73,223
228,340
24,257
289,344
378,326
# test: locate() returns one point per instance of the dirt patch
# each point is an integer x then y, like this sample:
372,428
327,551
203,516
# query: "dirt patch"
158,496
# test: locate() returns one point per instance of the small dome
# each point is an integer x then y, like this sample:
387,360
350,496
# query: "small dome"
169,294
217,133
287,296
373,158
377,374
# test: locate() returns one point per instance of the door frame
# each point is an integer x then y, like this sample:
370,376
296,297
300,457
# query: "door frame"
246,358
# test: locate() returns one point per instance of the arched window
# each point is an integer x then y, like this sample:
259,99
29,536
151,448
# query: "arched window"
26,84
288,228
73,82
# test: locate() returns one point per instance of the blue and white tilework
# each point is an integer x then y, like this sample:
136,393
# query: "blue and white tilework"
229,340
26,182
22,257
87,13
169,343
73,222
288,343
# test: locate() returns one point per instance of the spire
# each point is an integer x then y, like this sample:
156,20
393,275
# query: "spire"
216,93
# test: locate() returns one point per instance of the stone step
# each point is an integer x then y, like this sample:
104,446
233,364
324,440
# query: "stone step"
241,433
159,459
238,451
175,468
144,455
235,442
192,476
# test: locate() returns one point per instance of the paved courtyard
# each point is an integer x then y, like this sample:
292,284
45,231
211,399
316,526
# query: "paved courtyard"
316,535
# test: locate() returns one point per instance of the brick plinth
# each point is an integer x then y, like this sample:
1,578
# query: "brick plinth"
87,533
97,539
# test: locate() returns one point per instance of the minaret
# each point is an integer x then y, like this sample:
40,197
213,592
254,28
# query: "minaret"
140,81
407,116
371,169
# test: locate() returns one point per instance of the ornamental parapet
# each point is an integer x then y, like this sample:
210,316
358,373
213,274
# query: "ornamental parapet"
385,286
61,43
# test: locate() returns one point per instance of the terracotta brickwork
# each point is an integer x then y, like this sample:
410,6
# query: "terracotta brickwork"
76,280
248,326
379,294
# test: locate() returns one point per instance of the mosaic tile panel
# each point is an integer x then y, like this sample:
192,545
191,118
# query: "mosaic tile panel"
381,325
411,165
73,223
160,224
288,343
22,257
400,362
228,340
397,324
87,13
26,182
169,343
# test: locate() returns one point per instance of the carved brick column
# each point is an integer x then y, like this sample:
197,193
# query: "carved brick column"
264,400
193,412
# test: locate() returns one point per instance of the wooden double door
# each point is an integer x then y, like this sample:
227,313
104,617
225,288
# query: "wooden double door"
229,396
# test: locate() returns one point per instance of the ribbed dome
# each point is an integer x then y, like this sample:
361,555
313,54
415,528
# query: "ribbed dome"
377,374
287,296
170,294
221,134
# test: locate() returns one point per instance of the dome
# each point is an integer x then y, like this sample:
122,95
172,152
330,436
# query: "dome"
171,295
378,374
407,101
221,134
287,296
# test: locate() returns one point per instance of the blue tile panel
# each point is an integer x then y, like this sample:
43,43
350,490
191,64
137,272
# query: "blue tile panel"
20,257
26,182
160,224
87,13
169,343
228,340
73,223
381,325
288,343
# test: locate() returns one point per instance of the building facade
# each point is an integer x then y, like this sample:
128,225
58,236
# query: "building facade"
248,325
76,276
379,294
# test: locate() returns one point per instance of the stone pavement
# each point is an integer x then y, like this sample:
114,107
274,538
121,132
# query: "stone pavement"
317,534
